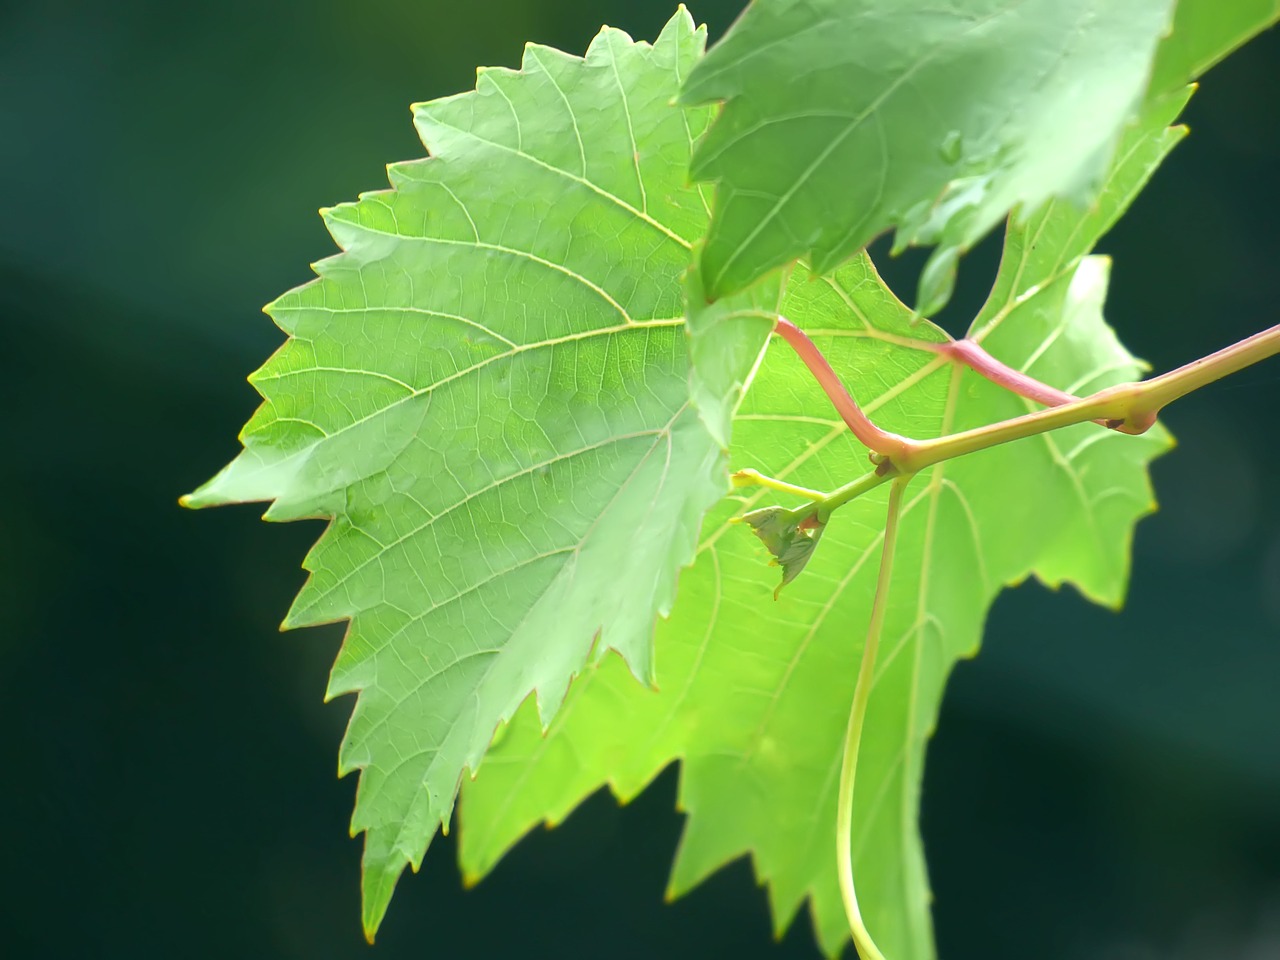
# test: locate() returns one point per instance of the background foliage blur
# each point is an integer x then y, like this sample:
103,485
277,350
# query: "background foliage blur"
1101,785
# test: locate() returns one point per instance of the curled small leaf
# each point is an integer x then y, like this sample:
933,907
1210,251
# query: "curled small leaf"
790,535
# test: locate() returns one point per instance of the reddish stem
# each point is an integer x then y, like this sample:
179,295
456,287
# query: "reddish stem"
984,364
967,352
872,437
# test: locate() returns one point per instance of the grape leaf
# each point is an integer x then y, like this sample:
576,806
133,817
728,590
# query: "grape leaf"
843,118
755,694
487,394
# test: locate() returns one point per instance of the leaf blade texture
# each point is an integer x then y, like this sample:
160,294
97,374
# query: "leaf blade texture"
487,394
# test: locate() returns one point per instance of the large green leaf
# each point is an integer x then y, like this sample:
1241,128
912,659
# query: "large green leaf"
844,118
755,694
487,394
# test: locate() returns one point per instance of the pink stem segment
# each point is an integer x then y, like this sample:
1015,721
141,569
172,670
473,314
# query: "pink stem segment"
972,355
984,364
872,437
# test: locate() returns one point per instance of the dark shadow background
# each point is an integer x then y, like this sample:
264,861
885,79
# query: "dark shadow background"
1102,785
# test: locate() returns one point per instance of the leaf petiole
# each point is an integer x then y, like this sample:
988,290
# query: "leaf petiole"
879,441
890,446
972,355
862,939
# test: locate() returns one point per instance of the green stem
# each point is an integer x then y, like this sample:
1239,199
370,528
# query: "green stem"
1128,407
867,948
842,495
1178,383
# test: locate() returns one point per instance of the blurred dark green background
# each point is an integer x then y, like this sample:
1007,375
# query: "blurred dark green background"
1102,786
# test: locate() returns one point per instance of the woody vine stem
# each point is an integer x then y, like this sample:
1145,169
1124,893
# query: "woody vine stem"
1129,408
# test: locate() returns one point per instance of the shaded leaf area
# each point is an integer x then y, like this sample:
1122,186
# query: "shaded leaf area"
487,393
844,119
754,695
